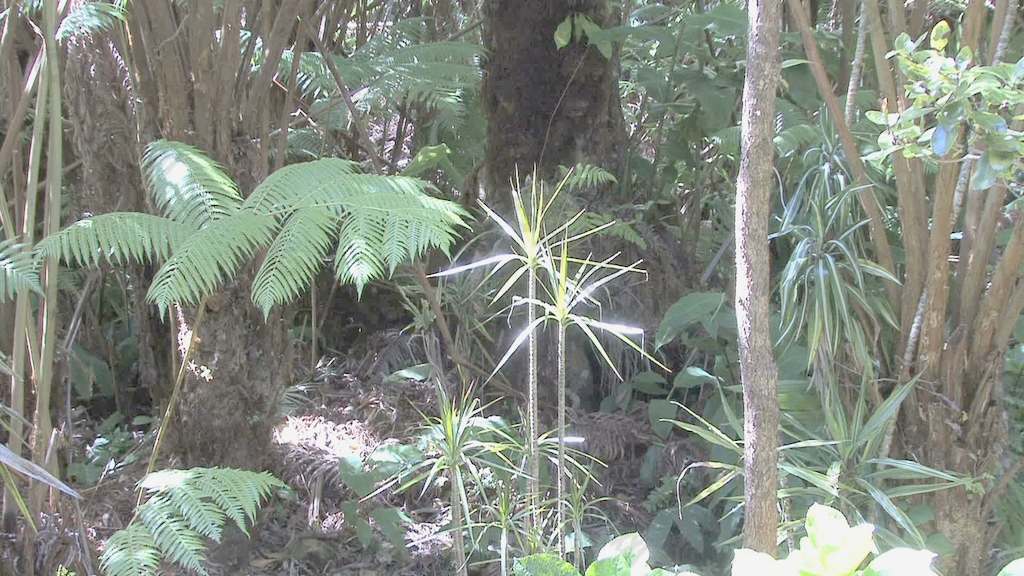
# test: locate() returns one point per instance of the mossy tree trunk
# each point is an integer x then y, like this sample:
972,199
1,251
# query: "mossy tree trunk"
547,106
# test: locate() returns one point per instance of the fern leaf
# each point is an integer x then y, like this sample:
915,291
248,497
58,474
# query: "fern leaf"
584,176
184,507
187,186
171,533
130,552
294,257
384,221
89,18
18,272
209,258
380,231
237,493
117,237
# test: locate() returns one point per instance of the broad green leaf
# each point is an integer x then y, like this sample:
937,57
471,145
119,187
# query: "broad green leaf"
563,34
660,412
692,377
902,562
543,565
1015,568
940,36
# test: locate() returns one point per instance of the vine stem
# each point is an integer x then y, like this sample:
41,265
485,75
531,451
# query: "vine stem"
178,379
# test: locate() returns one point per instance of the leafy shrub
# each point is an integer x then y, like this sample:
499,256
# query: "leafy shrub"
831,548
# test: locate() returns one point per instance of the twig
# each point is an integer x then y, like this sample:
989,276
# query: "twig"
182,369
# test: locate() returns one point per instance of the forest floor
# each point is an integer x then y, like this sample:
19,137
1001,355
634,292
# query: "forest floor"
303,531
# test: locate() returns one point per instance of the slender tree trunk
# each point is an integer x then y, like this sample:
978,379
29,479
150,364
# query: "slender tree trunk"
753,312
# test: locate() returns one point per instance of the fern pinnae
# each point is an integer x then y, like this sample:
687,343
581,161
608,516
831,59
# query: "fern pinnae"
18,270
209,258
184,508
116,237
294,257
172,534
186,185
130,551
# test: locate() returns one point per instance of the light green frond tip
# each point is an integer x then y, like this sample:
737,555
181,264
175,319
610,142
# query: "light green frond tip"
185,509
18,271
186,185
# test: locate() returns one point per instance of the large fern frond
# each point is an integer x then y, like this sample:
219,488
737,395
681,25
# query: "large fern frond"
184,509
186,185
384,221
18,271
209,258
116,237
381,231
585,176
294,257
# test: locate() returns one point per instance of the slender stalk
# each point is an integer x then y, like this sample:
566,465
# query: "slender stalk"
173,400
458,544
54,177
560,496
532,425
856,67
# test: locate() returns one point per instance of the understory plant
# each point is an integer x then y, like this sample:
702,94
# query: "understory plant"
831,548
185,508
543,258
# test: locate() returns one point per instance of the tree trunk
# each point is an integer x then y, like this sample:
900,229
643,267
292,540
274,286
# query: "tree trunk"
105,142
547,106
194,88
753,313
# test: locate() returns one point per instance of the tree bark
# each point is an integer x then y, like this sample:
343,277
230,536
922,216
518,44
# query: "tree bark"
753,313
189,83
547,106
105,141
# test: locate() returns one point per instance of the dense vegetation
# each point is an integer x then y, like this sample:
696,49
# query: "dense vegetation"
516,287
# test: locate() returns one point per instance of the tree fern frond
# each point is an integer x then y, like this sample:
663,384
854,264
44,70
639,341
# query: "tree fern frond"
172,535
18,271
130,552
91,17
186,185
300,185
117,237
380,231
209,258
583,176
184,507
294,257
384,221
237,492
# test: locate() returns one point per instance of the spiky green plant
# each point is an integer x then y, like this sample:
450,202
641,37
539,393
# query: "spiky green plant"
298,215
566,293
530,242
185,508
461,443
